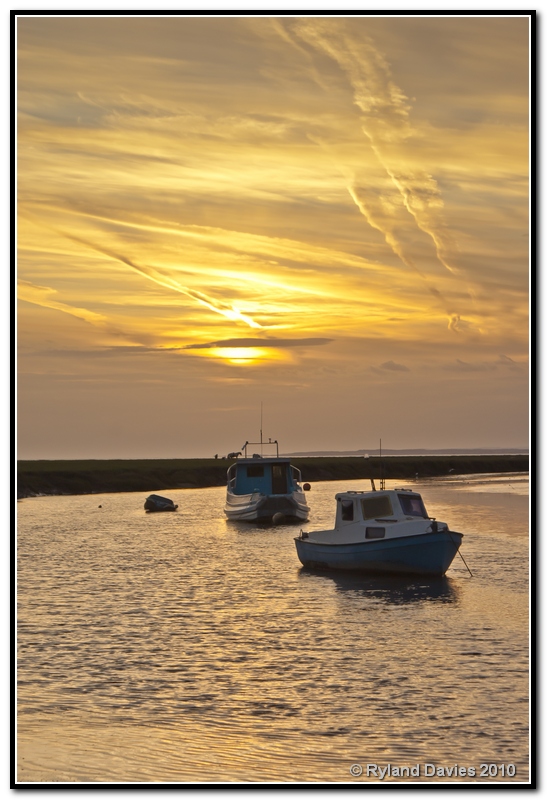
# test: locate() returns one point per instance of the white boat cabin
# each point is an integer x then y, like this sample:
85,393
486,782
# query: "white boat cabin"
382,506
368,515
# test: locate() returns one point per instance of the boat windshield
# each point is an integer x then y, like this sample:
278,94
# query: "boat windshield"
412,505
374,507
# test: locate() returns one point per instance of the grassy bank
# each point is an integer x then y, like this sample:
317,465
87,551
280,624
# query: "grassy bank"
93,477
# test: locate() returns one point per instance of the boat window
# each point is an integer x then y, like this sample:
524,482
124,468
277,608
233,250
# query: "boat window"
412,505
279,479
376,506
375,533
255,472
347,510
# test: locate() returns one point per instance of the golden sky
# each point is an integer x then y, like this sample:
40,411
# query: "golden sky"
325,215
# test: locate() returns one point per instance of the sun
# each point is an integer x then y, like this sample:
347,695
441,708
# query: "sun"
245,356
240,355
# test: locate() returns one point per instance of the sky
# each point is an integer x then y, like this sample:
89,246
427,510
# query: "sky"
319,221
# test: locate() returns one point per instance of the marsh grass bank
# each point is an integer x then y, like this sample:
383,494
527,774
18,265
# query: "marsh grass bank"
148,475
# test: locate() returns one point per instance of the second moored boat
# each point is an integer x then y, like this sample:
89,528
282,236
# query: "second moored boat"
265,489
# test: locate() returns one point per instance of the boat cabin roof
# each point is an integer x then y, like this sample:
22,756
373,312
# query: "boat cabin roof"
262,460
381,492
384,504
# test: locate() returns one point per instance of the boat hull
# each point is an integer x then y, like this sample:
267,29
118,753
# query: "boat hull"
263,508
423,554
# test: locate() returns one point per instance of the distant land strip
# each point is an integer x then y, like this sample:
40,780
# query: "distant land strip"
446,451
36,478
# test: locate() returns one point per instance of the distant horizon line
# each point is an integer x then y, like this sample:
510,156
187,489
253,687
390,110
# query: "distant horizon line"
387,452
418,451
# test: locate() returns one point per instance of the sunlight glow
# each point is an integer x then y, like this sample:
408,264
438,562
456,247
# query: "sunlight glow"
245,356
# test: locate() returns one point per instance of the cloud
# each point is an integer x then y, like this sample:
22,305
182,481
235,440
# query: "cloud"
229,311
260,343
483,366
136,350
80,353
457,324
394,367
378,211
463,366
386,121
43,296
505,361
388,129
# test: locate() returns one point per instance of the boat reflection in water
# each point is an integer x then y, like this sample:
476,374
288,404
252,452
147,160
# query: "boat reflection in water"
388,589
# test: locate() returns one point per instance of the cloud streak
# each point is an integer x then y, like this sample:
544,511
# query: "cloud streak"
44,296
275,343
229,311
386,121
386,124
378,216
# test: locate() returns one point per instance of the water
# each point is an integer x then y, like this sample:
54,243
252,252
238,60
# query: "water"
182,647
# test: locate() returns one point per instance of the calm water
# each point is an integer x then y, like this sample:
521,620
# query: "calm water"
182,647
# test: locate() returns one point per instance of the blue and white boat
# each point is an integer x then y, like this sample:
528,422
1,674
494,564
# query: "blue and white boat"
387,531
265,489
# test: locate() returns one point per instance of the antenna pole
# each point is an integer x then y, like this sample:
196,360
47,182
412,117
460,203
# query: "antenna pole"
382,481
261,427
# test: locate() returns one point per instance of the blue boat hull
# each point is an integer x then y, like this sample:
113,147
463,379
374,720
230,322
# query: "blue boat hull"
425,554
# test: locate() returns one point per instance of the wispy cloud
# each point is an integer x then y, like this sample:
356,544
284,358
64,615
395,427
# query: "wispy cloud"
386,123
45,296
503,362
378,212
393,366
274,343
229,311
386,120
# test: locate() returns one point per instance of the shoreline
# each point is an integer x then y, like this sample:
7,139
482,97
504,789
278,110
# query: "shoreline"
53,478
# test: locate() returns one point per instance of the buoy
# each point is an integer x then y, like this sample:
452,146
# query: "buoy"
306,487
278,518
